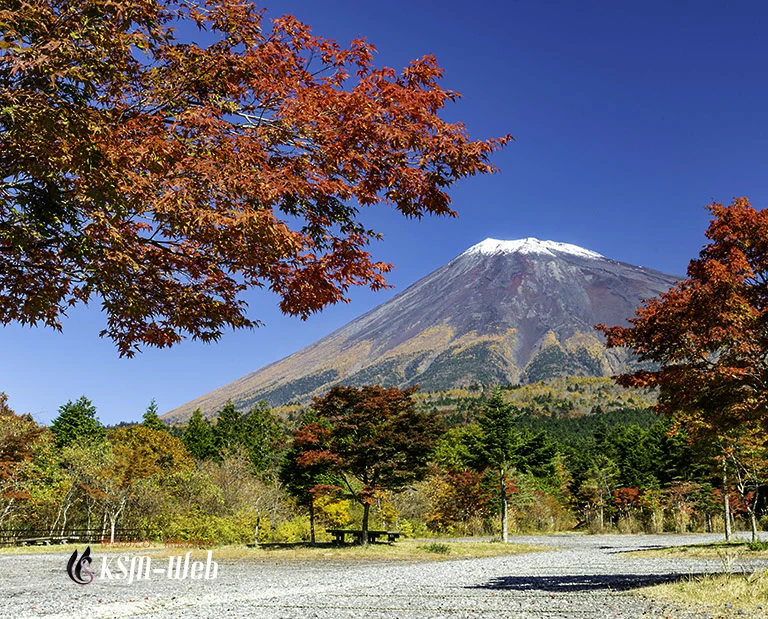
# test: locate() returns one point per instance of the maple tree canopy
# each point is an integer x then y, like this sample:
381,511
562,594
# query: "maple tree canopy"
166,177
709,333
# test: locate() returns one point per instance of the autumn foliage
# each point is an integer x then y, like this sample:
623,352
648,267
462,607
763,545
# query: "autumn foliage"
165,177
709,333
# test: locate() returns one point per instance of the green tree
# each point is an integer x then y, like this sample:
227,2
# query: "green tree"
151,419
228,431
76,422
382,439
198,437
263,437
500,441
599,484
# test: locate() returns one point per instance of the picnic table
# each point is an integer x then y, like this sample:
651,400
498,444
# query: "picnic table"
357,535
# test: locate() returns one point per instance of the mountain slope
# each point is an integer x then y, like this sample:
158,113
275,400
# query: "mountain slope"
502,311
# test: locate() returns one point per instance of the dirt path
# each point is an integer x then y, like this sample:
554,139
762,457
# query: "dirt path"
585,577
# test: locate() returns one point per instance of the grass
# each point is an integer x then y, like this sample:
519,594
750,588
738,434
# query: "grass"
721,595
716,550
401,551
732,593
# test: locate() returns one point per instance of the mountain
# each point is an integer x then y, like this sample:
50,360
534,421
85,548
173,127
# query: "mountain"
501,312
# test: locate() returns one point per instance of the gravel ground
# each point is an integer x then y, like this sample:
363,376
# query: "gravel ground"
585,577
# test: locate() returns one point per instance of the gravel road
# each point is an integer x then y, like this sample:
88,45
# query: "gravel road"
585,577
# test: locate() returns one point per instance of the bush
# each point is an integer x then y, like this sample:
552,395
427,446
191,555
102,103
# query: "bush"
294,530
437,547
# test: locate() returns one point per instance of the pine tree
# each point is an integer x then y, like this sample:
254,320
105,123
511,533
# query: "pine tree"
76,423
499,442
229,430
198,437
151,418
263,438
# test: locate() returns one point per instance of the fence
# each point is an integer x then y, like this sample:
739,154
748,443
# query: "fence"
22,537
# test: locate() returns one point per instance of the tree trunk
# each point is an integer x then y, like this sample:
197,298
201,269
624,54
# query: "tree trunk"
312,520
753,524
504,508
602,513
104,524
726,505
366,512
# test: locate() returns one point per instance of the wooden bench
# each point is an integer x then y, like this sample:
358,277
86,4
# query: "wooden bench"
357,534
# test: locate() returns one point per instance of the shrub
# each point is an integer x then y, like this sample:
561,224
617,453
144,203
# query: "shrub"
437,547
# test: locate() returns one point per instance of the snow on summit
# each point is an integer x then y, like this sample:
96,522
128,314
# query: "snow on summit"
530,246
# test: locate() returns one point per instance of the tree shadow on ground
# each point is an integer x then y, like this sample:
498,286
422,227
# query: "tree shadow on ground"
581,582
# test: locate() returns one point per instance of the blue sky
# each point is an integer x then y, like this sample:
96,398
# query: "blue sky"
628,117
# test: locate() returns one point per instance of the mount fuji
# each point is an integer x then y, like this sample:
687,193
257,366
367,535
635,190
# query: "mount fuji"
501,312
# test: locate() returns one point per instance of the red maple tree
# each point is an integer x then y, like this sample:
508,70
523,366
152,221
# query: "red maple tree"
708,334
166,177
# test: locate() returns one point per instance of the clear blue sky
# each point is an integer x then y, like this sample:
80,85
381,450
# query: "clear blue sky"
629,118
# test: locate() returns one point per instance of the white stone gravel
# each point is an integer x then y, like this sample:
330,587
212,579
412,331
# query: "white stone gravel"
585,577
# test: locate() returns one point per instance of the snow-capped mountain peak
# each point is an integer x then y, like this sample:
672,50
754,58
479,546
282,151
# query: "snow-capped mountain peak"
530,245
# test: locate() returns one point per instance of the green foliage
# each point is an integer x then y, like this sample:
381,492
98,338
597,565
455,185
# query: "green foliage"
228,431
499,439
458,448
263,437
151,419
233,529
77,422
294,530
437,548
198,437
259,434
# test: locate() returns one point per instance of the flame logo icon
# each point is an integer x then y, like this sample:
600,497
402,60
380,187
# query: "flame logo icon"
76,567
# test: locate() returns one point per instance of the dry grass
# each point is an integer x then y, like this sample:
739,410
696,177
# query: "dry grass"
718,550
735,592
719,595
407,550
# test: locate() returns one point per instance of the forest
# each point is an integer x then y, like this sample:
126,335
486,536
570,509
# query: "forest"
560,455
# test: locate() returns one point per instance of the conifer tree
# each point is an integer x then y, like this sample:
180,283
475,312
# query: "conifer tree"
77,422
228,431
263,438
151,419
499,443
198,437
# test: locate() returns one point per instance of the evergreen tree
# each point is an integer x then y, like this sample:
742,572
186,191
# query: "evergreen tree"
198,437
228,431
151,419
263,438
76,423
500,441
